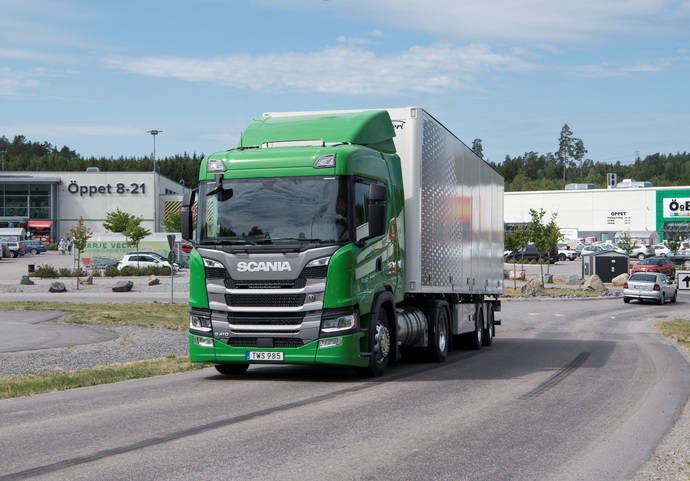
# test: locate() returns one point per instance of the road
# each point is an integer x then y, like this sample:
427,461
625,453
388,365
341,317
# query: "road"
569,390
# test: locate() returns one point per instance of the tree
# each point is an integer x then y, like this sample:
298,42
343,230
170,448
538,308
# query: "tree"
673,244
626,243
539,235
564,147
521,241
80,235
173,221
117,221
477,147
135,232
552,235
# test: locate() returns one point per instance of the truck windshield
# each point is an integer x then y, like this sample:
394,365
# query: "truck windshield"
271,210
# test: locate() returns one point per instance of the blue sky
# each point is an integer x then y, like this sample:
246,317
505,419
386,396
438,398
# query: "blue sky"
96,75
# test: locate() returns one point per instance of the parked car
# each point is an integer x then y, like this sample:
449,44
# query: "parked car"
139,260
15,248
642,251
33,246
564,252
158,256
661,249
660,264
530,254
187,248
650,286
592,249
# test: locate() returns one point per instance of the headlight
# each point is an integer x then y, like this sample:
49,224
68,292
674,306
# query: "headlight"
199,322
321,261
340,323
212,263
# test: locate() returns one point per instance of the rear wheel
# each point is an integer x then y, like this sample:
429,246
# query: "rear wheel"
662,299
475,339
640,256
232,369
34,251
490,331
438,348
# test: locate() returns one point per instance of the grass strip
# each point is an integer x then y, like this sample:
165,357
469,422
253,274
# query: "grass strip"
677,329
28,384
154,314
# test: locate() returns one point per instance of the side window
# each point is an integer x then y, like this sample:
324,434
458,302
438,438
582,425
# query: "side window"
147,259
361,210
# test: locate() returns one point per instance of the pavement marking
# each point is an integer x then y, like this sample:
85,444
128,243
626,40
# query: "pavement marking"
532,313
559,315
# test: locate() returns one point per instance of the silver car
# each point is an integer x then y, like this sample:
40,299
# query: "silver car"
650,286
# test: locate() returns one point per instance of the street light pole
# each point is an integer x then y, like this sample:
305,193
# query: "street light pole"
154,132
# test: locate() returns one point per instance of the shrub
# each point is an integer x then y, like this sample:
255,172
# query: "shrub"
111,271
52,246
45,271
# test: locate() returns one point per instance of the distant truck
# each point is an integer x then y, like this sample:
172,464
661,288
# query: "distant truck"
347,238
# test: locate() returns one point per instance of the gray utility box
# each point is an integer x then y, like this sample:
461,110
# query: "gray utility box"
606,265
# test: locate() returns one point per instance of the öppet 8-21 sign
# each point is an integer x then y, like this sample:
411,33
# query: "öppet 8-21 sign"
677,207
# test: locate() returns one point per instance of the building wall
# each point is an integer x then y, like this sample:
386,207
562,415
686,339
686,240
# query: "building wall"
596,211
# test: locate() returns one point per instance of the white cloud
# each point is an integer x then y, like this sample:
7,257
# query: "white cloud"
19,83
532,21
342,69
40,130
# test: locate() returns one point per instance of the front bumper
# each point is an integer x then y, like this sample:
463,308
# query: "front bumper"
347,353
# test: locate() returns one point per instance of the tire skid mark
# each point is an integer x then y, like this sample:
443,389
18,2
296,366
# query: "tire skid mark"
558,376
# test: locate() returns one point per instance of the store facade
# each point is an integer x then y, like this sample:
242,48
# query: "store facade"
48,204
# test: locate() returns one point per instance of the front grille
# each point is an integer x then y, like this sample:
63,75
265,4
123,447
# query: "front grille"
316,272
267,284
215,272
239,321
265,300
277,342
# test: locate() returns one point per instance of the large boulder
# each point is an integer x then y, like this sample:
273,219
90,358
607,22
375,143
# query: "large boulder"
153,281
516,275
86,282
26,281
123,286
548,278
593,283
620,280
533,287
57,286
574,280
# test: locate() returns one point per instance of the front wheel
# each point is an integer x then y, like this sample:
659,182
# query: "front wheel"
379,344
34,251
640,256
626,300
561,257
232,369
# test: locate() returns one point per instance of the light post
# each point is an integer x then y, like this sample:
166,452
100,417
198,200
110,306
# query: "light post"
3,153
154,132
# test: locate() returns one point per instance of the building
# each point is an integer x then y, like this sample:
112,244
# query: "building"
48,204
601,213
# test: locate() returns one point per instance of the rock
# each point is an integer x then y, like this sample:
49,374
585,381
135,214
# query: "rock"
517,275
574,280
533,287
123,286
618,281
57,286
26,281
153,281
87,282
548,278
593,283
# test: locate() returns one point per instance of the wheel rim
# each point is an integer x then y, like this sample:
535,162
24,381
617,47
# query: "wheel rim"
442,334
382,342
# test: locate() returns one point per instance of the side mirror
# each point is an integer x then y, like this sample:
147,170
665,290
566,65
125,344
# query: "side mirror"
186,219
377,210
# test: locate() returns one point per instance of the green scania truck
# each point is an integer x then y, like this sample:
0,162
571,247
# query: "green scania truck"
343,237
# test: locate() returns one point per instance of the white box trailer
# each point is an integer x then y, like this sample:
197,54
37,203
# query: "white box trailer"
453,207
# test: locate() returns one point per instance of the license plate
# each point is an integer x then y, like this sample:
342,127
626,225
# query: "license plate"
264,356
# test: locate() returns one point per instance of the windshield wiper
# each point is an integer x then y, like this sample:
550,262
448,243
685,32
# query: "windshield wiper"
228,242
301,239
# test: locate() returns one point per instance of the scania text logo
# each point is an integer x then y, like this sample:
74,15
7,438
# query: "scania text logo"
278,266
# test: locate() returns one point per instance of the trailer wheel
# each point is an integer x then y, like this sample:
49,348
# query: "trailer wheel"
440,337
490,331
475,339
380,345
232,369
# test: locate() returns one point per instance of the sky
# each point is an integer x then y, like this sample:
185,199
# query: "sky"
95,76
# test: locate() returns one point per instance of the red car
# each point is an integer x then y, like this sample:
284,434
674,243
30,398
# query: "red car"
656,264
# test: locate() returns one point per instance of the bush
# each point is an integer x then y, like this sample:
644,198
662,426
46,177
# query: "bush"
51,246
45,272
113,271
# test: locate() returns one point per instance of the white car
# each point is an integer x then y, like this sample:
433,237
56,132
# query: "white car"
642,252
141,261
650,286
661,250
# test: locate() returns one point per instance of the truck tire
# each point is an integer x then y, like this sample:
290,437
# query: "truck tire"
475,339
379,345
232,369
490,331
439,336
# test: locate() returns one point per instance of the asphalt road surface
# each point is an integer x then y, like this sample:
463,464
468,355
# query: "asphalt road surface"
570,390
